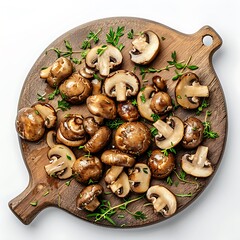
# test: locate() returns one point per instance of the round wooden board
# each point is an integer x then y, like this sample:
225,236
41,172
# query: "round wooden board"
35,154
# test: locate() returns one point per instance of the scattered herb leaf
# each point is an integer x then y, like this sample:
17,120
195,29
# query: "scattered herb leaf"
114,124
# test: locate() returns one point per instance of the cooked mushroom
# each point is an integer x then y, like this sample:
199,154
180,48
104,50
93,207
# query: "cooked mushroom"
110,58
193,133
30,124
87,198
169,136
90,125
76,88
97,86
127,111
112,174
144,99
161,165
197,164
133,137
87,168
86,72
139,178
121,186
61,157
121,84
160,83
161,103
145,48
115,157
188,91
61,69
71,131
98,141
163,200
47,112
102,106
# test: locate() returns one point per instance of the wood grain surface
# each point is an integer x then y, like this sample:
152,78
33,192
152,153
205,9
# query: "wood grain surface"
35,154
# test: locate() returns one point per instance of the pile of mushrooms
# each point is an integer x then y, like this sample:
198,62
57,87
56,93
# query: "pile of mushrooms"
113,155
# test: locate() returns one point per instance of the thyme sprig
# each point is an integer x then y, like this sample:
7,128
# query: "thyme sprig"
114,124
91,37
113,37
182,177
207,132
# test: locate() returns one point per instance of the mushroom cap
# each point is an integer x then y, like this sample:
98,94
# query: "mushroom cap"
87,198
133,137
160,165
71,131
115,157
121,84
127,111
104,62
193,133
145,48
98,141
188,91
160,83
87,168
90,125
76,88
30,124
139,178
102,106
112,174
161,103
163,200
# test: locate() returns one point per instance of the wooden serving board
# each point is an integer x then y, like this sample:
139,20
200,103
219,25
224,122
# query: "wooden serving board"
35,154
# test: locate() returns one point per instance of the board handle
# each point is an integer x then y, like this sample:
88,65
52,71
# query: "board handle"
30,202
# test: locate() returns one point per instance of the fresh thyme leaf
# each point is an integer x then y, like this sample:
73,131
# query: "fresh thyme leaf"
92,36
140,215
97,77
153,131
130,34
143,98
68,45
155,117
120,47
192,67
134,102
34,204
68,183
174,56
204,104
163,38
41,97
149,152
113,37
207,132
165,152
182,175
169,181
46,193
76,60
69,157
101,50
81,147
63,105
114,124
52,95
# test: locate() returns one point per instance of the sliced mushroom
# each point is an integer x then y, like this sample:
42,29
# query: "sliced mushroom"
76,88
87,198
98,141
127,111
193,133
197,164
139,178
30,124
112,174
163,200
102,106
87,168
188,91
161,103
97,86
145,48
121,186
133,137
160,83
144,99
71,131
86,72
90,125
117,158
168,136
61,69
121,84
161,165
110,58
48,114
61,157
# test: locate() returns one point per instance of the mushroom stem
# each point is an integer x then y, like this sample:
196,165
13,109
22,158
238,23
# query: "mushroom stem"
200,156
50,139
196,91
121,91
163,128
45,72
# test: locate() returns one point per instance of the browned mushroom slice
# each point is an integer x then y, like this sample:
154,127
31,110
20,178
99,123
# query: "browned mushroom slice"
145,48
110,58
121,84
61,69
76,88
188,91
197,164
133,137
112,174
87,199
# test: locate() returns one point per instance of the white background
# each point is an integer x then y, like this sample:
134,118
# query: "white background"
28,27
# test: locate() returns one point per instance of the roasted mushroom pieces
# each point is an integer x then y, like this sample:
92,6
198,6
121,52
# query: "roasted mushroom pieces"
161,103
145,48
61,69
163,200
127,111
87,198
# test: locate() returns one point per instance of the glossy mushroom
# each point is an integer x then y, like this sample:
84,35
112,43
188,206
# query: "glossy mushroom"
161,103
112,174
160,83
127,111
90,125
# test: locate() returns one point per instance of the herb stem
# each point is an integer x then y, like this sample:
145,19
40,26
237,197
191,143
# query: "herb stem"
186,181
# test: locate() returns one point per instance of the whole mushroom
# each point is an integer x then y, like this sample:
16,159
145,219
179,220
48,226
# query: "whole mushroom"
160,83
161,103
127,111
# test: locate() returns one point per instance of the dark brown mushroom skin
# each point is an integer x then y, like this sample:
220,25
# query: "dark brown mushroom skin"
90,125
160,83
76,88
193,133
161,165
98,141
29,124
87,168
161,103
127,111
133,138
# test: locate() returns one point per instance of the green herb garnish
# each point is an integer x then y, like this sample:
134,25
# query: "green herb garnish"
90,37
114,124
41,97
34,204
101,50
63,105
113,37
